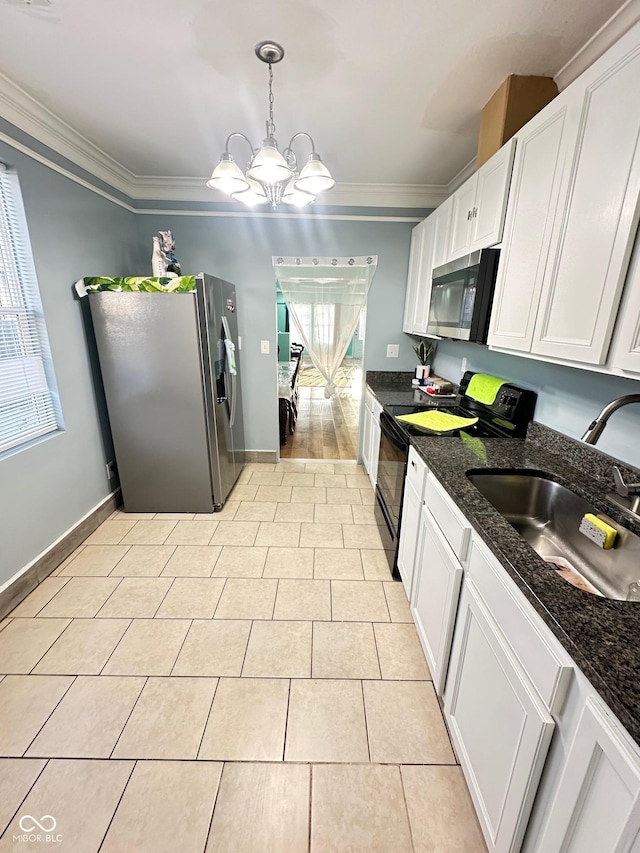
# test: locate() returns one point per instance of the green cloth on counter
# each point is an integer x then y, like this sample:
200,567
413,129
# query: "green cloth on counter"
437,421
484,388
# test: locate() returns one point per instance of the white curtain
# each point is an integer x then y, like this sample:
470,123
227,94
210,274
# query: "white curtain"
325,297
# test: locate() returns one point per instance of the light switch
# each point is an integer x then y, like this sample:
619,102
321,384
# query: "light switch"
264,347
393,350
239,342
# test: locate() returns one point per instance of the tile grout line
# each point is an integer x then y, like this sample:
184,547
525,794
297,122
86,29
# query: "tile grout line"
23,800
375,642
133,707
46,652
286,721
128,547
169,588
246,649
120,798
366,724
113,650
74,678
224,586
215,802
184,640
40,609
206,722
406,807
310,805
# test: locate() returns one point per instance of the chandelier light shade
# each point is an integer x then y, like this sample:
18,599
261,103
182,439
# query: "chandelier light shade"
270,175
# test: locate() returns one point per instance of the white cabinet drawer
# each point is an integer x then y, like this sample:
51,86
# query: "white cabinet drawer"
453,524
369,399
549,669
416,472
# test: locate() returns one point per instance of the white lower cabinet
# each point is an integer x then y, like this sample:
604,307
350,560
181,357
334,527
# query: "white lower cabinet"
596,808
549,767
434,601
409,526
366,435
414,486
500,728
371,436
375,445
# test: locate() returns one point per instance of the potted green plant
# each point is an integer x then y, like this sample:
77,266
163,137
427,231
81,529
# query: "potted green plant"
425,350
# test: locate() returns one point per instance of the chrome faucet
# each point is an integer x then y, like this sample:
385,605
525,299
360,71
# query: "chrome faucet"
597,426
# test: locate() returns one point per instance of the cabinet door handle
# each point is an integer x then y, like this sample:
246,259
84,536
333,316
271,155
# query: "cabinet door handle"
413,464
475,212
468,215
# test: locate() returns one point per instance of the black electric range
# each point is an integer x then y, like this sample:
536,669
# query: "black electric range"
507,417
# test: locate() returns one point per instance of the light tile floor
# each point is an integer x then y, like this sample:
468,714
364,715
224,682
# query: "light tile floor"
250,681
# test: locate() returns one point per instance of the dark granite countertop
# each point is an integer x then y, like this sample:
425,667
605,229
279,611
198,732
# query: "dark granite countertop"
394,388
601,635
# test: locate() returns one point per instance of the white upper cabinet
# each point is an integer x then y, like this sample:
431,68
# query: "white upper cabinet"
478,207
441,219
463,201
538,167
593,237
413,277
492,189
625,351
423,292
572,216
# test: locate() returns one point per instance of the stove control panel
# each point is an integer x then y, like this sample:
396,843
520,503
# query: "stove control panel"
506,401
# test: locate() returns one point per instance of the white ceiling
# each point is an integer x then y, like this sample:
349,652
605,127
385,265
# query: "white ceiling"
390,91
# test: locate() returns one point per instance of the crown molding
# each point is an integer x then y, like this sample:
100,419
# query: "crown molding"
30,116
464,174
609,33
155,188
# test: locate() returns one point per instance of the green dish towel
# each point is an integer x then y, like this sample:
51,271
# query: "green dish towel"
484,388
437,421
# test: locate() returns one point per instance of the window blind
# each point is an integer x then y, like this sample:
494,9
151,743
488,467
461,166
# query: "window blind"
27,404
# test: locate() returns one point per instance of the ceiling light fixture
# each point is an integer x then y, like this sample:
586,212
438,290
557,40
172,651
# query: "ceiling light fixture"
271,176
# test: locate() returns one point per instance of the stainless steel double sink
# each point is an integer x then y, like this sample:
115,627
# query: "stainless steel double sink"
547,515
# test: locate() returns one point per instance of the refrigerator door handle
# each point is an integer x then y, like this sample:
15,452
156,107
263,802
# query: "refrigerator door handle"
232,376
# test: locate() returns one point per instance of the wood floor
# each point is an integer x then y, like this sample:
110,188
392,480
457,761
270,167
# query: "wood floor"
326,429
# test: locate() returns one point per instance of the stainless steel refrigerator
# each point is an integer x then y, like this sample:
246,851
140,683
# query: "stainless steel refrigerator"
173,398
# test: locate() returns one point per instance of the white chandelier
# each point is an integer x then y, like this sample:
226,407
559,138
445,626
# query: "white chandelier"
271,176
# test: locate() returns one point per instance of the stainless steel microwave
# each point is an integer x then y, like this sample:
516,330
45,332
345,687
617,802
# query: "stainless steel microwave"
461,296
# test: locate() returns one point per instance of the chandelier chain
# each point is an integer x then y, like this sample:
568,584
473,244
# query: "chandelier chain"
271,129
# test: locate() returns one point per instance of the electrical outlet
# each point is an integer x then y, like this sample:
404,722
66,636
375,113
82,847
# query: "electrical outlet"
393,350
264,347
111,470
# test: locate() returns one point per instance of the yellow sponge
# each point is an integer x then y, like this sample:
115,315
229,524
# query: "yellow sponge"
603,534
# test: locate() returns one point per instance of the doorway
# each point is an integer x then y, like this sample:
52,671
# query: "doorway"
312,426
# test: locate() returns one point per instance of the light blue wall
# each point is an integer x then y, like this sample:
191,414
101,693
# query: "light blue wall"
47,487
240,250
568,398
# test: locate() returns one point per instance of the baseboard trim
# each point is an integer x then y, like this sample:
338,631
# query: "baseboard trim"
17,588
269,456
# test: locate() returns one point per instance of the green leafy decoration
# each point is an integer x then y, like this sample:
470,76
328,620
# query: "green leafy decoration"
425,351
141,284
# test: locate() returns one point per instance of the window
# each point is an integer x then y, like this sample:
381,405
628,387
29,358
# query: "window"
28,397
